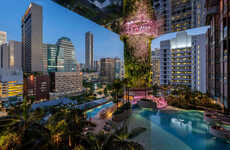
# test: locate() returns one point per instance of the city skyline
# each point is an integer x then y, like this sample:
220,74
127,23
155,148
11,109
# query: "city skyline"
75,28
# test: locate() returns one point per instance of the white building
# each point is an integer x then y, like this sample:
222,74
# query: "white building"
183,61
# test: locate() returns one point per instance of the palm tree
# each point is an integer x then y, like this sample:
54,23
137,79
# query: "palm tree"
116,87
67,126
126,84
120,139
22,130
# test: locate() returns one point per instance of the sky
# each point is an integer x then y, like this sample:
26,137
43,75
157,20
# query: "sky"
59,21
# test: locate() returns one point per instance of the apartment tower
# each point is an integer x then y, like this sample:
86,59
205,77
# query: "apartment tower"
89,50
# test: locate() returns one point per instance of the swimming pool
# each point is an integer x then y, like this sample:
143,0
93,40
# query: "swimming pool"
93,112
182,130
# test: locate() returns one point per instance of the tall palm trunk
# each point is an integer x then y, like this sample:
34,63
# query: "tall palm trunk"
128,94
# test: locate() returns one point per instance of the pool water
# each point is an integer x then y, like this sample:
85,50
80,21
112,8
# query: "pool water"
175,130
93,112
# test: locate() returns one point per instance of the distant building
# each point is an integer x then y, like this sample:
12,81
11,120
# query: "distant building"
11,84
66,61
97,66
32,39
179,15
122,72
107,73
117,68
110,69
11,55
44,58
89,50
93,76
165,63
65,83
52,57
3,37
36,86
183,61
156,66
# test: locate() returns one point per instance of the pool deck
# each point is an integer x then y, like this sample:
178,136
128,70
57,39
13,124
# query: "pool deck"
100,121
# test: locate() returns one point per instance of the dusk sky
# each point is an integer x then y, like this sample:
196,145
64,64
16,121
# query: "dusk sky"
59,22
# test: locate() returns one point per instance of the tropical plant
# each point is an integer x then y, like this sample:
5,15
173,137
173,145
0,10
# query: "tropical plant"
67,126
126,83
117,89
22,130
120,139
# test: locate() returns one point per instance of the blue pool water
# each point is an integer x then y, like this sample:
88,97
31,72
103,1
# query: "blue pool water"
181,130
93,112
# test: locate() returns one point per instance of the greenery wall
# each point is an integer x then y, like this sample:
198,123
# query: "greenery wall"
137,68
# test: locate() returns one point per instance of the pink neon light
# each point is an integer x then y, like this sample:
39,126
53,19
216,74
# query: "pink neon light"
161,102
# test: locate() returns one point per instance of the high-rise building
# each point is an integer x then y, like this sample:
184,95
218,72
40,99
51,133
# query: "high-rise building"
52,57
5,55
44,58
11,53
117,68
183,61
110,69
107,72
3,37
89,50
199,62
179,15
156,66
97,66
218,51
66,61
32,39
165,63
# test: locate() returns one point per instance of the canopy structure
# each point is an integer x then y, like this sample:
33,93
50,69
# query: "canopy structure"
134,21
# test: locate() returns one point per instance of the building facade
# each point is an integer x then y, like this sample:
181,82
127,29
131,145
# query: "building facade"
199,62
66,61
179,15
44,58
218,53
156,66
11,53
165,63
36,86
89,50
32,39
97,66
107,73
65,83
3,37
51,57
183,61
117,68
11,84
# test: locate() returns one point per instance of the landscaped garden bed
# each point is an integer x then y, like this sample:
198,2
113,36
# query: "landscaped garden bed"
122,113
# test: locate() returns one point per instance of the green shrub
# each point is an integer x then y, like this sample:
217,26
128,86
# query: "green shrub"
121,109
